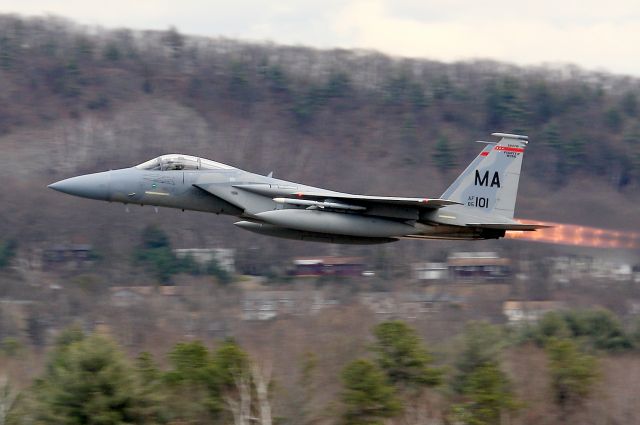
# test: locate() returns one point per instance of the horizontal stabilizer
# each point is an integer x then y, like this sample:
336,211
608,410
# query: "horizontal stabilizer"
511,136
509,226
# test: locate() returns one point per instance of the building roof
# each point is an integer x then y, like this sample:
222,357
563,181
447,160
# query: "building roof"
533,305
327,261
429,266
477,259
150,290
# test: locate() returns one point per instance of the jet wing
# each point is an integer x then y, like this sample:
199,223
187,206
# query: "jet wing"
363,200
510,226
289,192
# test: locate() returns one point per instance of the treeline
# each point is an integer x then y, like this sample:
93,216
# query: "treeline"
88,379
156,255
587,122
8,249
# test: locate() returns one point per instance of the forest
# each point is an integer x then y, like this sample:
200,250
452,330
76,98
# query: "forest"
89,379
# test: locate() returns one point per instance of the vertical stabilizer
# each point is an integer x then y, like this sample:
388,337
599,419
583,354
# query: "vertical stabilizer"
490,182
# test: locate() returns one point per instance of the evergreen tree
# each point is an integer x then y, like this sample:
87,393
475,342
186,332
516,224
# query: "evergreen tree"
190,361
502,103
629,104
155,237
550,325
573,374
221,275
87,381
204,384
481,345
599,329
489,396
368,397
193,383
443,155
401,355
152,390
155,253
8,250
231,363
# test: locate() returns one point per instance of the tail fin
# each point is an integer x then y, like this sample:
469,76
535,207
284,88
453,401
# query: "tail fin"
490,182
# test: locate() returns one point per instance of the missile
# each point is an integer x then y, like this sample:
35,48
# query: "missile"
319,204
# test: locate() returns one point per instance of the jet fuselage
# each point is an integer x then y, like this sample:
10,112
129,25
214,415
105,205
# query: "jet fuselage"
470,209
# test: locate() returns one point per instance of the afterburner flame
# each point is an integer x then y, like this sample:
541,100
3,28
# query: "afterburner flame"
575,235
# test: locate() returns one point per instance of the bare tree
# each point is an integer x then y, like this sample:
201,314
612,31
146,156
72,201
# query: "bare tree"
261,375
7,398
247,387
239,404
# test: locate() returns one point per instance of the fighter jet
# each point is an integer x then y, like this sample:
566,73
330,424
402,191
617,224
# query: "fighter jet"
478,205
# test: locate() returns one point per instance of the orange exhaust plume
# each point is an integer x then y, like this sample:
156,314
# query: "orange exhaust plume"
575,235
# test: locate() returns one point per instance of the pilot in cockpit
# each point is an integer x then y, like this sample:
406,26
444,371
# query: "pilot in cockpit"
178,162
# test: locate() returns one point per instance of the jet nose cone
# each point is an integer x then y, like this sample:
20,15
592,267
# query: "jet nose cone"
93,186
55,186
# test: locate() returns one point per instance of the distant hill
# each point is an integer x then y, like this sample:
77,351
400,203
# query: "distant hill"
76,99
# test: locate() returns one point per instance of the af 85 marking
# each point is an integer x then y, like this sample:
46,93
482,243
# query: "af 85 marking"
478,202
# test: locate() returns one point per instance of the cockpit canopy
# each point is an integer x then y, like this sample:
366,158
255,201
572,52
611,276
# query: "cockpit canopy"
177,161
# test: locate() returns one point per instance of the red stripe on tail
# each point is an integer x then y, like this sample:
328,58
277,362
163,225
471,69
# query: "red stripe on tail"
508,149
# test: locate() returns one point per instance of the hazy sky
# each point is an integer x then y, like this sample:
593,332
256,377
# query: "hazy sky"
595,34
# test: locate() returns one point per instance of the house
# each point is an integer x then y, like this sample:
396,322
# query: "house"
266,305
68,256
430,271
633,307
566,268
478,266
521,312
224,257
328,266
406,305
612,270
126,296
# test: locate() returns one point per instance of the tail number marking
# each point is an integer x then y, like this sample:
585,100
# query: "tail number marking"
478,201
484,179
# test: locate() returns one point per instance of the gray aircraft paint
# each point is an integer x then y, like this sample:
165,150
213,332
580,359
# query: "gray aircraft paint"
299,235
336,223
478,205
490,183
449,193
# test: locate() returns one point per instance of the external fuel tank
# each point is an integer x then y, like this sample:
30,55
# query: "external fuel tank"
336,223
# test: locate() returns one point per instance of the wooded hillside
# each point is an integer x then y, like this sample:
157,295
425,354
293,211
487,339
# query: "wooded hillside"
76,99
129,332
